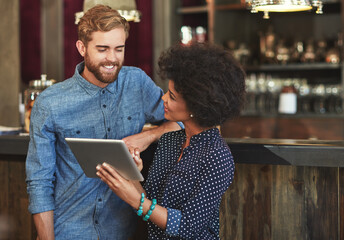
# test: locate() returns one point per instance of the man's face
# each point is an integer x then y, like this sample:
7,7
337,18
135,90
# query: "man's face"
104,56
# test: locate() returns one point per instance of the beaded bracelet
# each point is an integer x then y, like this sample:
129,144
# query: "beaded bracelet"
140,211
146,217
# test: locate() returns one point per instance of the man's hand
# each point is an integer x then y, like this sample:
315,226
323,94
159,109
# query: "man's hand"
144,139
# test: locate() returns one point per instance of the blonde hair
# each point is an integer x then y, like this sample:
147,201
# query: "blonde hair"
100,18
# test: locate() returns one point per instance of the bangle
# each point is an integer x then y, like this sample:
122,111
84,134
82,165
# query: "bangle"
139,212
146,217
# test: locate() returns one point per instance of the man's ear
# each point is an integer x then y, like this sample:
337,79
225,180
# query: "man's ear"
81,47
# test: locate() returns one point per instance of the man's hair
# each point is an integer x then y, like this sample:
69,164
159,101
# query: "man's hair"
210,80
100,18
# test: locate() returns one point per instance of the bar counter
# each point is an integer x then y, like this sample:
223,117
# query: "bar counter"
283,189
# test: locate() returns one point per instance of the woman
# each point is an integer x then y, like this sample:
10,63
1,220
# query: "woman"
193,167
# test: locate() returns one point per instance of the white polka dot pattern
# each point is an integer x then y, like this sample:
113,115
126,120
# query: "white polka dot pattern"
190,189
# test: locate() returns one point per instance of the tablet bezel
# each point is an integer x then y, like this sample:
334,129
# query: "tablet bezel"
90,152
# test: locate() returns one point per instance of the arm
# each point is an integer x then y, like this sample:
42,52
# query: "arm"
130,192
40,168
44,223
144,139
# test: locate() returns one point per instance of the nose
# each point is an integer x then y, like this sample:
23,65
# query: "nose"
164,97
111,56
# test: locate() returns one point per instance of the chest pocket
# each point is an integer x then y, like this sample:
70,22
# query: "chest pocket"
129,124
82,132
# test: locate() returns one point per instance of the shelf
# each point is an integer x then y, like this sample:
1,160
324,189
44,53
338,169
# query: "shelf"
192,10
295,66
297,115
234,6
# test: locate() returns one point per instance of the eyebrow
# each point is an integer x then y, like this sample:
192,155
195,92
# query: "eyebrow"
105,46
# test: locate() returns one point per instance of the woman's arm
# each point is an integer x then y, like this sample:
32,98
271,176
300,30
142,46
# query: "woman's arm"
130,192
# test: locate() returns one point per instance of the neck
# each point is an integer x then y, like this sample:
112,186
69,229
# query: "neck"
192,129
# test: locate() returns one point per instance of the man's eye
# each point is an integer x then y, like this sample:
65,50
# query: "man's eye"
119,50
101,50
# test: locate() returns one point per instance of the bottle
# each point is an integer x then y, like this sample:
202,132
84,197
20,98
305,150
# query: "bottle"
30,95
288,99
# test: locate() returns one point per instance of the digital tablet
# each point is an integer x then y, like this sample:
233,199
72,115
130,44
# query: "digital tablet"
91,152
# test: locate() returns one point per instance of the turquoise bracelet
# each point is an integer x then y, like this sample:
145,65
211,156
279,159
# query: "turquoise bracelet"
146,217
140,211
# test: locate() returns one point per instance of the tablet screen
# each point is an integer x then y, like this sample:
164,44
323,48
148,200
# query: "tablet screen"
91,152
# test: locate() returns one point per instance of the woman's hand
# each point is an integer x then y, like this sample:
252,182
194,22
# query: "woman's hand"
135,152
125,189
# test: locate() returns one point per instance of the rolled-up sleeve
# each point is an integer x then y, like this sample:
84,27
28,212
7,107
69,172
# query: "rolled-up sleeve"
40,161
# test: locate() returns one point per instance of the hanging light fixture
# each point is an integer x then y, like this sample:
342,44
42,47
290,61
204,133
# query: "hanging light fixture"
127,8
267,6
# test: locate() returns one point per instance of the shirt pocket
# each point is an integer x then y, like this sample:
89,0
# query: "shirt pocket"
80,132
130,124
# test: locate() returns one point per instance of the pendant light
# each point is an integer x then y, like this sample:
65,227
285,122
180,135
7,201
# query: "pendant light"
267,6
127,8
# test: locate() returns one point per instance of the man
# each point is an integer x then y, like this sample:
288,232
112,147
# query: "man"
102,100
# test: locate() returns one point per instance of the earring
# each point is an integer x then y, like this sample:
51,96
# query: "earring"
191,115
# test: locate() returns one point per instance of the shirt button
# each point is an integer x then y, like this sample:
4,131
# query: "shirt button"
99,199
104,106
96,221
109,129
103,91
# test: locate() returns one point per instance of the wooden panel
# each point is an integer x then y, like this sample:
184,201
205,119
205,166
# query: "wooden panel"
17,221
287,203
341,202
246,206
321,202
283,202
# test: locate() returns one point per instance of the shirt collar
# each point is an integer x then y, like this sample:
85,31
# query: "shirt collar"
90,88
206,135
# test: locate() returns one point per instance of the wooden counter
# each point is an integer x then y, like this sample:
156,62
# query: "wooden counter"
283,189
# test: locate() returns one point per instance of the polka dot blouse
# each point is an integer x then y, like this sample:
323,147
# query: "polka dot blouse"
190,189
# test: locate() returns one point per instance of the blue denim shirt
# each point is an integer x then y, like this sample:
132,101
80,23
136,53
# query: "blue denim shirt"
85,208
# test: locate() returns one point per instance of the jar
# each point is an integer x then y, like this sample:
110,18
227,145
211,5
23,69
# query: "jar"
30,95
288,100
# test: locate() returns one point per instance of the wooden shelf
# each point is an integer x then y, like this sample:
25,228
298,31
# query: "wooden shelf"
295,66
192,10
235,6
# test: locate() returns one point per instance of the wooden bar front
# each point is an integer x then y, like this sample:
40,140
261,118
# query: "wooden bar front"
271,198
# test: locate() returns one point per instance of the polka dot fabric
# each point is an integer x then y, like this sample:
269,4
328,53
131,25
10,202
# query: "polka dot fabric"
190,189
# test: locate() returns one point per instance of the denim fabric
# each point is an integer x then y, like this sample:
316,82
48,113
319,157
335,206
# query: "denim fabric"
85,208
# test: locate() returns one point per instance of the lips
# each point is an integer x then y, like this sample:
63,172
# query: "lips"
165,109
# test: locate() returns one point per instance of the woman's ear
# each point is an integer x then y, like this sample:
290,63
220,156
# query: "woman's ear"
81,47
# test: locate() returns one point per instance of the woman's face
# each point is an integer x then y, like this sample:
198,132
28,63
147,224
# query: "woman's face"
175,106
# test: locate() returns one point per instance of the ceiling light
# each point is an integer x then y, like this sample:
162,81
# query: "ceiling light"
127,8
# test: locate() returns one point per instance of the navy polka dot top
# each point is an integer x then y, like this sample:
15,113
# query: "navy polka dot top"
190,189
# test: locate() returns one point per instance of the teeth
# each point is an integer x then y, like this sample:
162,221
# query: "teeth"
109,67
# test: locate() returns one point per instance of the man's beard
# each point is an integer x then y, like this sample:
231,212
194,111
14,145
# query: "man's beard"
102,77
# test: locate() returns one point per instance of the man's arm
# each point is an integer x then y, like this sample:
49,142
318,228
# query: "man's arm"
144,139
44,223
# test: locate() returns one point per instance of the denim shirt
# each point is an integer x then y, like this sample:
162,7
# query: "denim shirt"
85,208
191,188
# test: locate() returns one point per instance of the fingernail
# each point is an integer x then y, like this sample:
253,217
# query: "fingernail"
98,167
